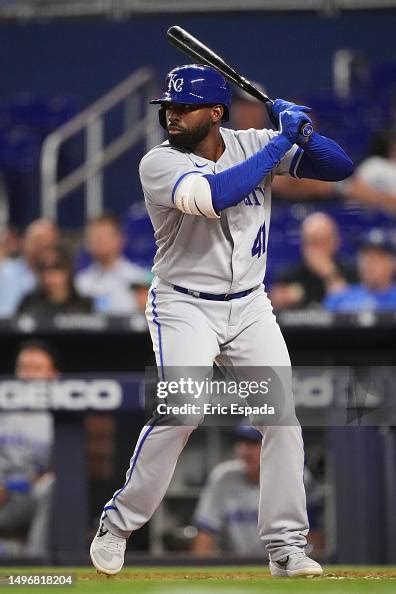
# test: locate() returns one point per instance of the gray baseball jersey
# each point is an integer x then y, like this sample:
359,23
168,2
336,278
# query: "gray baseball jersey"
228,508
225,255
25,444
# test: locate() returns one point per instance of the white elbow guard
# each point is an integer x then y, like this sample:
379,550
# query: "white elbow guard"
193,196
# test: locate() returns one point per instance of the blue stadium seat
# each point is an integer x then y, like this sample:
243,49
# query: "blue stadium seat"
24,122
42,113
19,149
140,245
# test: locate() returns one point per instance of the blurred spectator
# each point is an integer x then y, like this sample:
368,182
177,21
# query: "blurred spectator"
55,292
377,289
18,275
140,292
319,273
226,515
227,511
374,181
248,112
109,278
26,480
11,242
39,235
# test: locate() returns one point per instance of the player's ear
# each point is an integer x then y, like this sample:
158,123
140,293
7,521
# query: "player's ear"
217,113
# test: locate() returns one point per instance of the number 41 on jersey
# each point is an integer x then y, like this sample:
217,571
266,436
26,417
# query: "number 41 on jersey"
258,247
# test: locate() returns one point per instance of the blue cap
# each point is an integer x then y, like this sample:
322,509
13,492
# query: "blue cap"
378,239
247,433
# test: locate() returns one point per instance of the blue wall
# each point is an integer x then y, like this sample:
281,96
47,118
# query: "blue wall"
288,53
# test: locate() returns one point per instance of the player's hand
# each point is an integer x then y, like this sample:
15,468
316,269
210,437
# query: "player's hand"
290,124
280,105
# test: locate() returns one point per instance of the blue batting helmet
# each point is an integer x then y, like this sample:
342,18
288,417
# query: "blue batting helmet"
195,84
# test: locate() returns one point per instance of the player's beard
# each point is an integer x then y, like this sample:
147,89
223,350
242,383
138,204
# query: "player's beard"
190,138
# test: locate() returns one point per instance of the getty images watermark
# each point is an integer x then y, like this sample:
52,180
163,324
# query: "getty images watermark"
197,395
199,390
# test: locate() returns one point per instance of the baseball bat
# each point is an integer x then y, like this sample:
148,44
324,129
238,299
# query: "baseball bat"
195,49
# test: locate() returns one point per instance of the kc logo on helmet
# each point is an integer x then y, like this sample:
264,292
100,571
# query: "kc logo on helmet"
176,83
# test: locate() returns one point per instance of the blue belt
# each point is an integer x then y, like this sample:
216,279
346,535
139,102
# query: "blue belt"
211,297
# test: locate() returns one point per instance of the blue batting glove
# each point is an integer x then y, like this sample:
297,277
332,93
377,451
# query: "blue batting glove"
290,124
280,105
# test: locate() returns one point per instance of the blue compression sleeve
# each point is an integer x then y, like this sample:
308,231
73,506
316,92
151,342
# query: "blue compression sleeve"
324,159
232,185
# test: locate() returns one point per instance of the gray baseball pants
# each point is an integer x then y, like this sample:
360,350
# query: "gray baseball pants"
187,331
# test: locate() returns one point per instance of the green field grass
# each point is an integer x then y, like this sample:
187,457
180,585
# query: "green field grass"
205,580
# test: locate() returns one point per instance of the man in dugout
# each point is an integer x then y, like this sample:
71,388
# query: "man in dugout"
26,478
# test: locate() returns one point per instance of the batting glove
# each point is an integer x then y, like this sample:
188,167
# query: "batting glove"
290,124
280,105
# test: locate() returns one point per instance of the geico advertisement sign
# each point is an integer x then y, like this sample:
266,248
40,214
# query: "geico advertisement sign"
61,395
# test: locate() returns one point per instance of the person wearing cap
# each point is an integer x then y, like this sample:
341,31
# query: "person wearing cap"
376,267
226,514
227,510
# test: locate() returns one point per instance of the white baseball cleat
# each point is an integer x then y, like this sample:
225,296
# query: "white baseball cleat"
107,551
295,565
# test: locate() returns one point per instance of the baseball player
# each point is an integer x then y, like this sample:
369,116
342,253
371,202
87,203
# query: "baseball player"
208,194
226,513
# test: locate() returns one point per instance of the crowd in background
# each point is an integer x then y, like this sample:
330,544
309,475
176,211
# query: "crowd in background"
321,278
39,274
42,273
